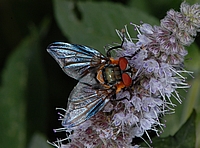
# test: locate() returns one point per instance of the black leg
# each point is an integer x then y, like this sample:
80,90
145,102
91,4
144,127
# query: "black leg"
115,47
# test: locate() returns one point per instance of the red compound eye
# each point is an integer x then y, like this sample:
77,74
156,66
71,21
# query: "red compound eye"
123,62
126,79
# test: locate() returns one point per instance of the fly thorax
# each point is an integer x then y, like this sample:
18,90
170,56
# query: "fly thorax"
111,74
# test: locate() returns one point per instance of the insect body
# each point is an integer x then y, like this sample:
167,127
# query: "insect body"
113,74
99,78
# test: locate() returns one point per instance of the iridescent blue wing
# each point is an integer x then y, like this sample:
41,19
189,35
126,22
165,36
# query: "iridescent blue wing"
77,61
83,103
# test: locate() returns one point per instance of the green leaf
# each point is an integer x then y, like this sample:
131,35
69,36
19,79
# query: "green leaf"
191,2
192,61
158,8
12,94
13,91
184,138
94,23
195,93
36,90
39,141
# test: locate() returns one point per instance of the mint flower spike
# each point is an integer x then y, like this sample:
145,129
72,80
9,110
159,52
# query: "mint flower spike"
156,64
192,14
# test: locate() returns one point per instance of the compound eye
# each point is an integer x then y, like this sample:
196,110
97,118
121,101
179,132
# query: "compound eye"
123,63
126,79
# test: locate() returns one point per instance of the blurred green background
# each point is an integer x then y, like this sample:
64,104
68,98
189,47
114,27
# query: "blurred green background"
32,84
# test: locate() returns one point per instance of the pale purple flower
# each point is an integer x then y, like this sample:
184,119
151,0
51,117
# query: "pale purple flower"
156,60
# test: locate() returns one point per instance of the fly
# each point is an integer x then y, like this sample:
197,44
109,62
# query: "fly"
99,78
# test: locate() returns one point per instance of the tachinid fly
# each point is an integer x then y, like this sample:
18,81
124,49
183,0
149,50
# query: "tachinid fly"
99,76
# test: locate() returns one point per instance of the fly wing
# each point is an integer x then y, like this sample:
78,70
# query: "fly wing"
77,61
83,103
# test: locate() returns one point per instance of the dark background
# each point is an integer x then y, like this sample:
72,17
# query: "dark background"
18,18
